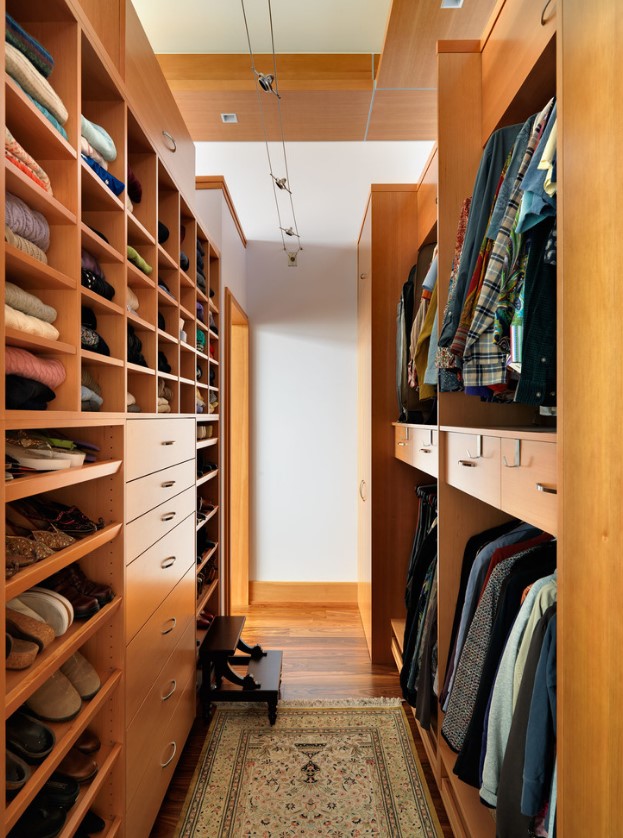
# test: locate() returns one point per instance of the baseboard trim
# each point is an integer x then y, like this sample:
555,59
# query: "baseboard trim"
317,592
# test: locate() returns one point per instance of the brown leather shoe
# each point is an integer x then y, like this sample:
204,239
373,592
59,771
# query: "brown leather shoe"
84,606
88,742
78,766
73,575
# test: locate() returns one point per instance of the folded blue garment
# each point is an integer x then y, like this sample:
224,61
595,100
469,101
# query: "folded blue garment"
115,185
50,117
99,138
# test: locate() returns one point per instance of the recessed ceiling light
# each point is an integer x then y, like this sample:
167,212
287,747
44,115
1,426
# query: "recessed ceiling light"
451,4
229,117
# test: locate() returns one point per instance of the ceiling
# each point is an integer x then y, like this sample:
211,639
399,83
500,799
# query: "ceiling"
347,69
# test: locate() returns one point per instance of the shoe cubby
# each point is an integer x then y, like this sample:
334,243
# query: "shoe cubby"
187,397
168,215
143,163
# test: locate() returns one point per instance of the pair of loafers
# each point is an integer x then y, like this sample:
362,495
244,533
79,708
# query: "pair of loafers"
46,815
60,698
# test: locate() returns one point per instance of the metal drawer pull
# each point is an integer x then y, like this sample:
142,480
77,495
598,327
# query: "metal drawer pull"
169,694
171,758
168,562
167,484
425,450
478,454
172,144
544,21
169,630
168,442
467,464
362,487
402,444
549,490
517,460
168,516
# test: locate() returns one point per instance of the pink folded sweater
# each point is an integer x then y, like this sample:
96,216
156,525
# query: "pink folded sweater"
47,371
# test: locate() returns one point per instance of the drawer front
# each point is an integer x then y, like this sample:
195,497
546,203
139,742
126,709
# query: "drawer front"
473,465
151,647
150,491
529,482
403,443
425,450
144,806
154,444
152,577
158,708
155,524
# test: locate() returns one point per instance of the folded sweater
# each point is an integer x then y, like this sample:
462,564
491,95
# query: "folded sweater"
99,138
28,77
29,46
24,245
14,319
47,371
25,394
90,151
138,260
26,222
28,303
20,157
113,183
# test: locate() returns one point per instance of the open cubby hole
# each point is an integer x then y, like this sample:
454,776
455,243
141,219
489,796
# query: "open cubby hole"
170,390
110,224
171,355
67,318
169,213
215,274
103,104
143,161
67,395
114,273
52,24
187,398
63,250
188,364
149,253
111,382
188,242
143,388
202,364
171,279
147,305
188,302
148,341
111,328
171,319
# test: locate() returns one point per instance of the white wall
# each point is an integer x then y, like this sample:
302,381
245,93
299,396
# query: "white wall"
304,413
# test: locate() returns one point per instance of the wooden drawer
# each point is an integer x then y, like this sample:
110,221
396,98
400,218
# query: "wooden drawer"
150,491
151,647
473,465
155,524
152,577
403,443
160,765
156,711
529,482
154,444
425,450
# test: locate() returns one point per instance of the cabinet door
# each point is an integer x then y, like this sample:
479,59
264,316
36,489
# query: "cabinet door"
364,310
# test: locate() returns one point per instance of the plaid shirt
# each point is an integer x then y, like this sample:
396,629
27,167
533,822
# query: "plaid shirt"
484,362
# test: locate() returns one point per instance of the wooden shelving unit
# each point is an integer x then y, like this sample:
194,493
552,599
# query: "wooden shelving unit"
84,214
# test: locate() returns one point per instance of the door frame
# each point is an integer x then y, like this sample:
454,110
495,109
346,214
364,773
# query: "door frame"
237,389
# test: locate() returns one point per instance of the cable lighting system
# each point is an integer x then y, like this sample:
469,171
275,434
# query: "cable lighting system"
269,83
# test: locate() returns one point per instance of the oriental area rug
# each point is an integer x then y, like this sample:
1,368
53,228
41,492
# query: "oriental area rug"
330,769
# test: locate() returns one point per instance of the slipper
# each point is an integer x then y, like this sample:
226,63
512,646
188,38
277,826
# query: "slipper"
20,654
25,628
28,737
48,604
56,700
17,773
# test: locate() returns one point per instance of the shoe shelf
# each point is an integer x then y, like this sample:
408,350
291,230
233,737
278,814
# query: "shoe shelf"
21,684
66,733
206,595
24,487
207,558
206,477
206,443
106,758
209,517
36,573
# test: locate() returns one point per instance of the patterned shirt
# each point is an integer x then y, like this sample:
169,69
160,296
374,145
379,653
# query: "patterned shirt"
484,362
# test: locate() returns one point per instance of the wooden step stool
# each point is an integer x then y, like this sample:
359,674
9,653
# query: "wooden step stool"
220,682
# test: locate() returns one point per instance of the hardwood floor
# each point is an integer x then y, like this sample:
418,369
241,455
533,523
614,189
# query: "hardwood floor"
325,656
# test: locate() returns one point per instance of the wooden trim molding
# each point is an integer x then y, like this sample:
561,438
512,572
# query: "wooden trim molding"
289,592
218,182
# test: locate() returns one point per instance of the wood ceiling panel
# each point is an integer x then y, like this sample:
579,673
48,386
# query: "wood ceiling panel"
295,72
409,53
403,115
307,115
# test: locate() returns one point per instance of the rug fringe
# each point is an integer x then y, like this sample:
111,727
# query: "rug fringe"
317,702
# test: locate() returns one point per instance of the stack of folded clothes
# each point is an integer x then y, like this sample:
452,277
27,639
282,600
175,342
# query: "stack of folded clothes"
163,364
92,276
138,260
200,404
89,337
98,149
201,340
131,405
165,394
30,379
213,402
26,228
183,335
27,313
213,325
29,64
201,280
163,233
132,303
20,158
135,348
90,393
